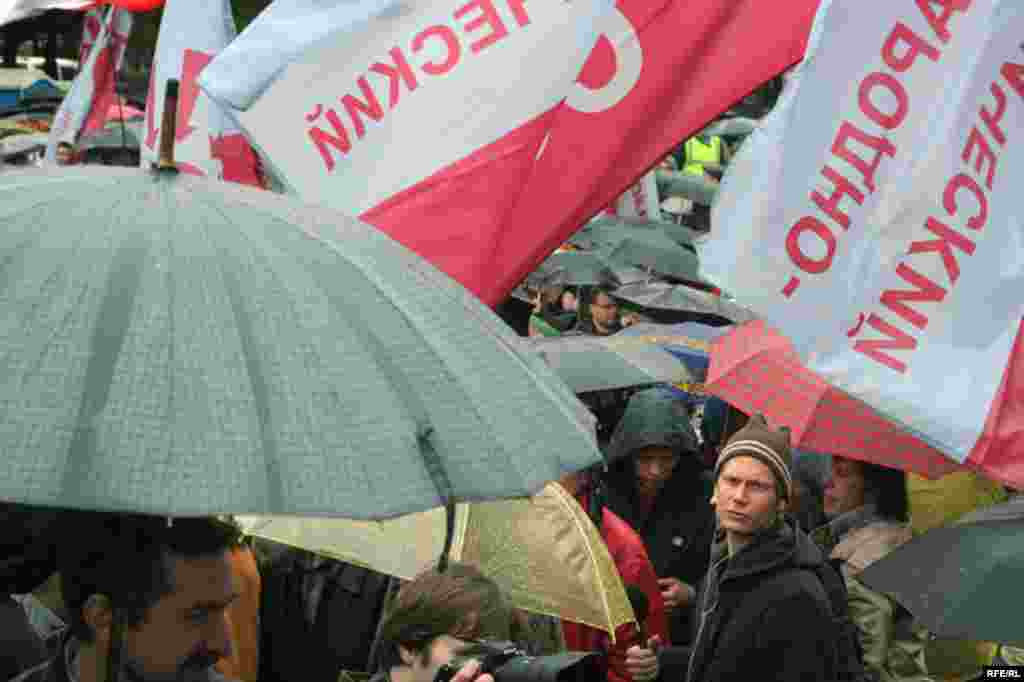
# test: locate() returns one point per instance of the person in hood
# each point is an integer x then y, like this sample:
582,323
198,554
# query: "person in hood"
657,483
764,613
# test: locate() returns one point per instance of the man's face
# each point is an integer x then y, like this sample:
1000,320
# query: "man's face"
747,500
844,490
604,310
187,631
441,651
653,467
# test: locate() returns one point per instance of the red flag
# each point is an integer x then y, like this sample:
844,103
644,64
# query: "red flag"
696,59
456,126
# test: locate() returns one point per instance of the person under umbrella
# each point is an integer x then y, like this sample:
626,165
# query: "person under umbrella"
765,613
602,314
629,659
147,599
657,483
868,510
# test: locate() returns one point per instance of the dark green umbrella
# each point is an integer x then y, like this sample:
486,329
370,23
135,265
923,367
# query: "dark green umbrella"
655,251
961,581
593,363
681,298
584,268
182,346
604,231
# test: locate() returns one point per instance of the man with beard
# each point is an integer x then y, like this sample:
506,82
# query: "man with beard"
146,597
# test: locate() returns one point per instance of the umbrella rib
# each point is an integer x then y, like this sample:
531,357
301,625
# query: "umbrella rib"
111,328
433,464
257,380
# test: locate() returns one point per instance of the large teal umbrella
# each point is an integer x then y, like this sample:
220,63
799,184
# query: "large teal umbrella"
180,346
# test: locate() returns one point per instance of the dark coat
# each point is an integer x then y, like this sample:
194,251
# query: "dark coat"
679,528
327,609
21,648
677,532
765,614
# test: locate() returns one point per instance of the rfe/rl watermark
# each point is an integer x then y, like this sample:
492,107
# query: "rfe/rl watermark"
1004,672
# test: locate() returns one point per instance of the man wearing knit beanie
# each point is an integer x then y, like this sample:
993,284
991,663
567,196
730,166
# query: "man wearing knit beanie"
764,611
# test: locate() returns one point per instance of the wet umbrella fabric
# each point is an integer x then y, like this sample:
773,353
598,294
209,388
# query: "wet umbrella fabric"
543,552
595,363
604,231
180,346
959,581
584,268
681,298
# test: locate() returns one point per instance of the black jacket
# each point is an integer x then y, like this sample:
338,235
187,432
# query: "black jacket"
21,648
679,528
677,532
765,614
326,609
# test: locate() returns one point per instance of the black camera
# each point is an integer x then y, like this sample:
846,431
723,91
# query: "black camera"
508,663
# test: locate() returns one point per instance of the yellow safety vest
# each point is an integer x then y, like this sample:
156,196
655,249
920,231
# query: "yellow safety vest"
696,154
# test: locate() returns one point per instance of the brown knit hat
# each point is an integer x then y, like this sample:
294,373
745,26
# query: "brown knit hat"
756,439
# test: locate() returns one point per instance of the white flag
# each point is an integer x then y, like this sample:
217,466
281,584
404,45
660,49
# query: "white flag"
94,90
208,141
876,217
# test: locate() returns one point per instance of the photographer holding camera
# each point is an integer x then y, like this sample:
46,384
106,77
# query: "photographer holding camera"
454,626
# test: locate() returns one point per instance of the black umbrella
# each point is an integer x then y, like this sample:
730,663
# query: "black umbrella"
961,581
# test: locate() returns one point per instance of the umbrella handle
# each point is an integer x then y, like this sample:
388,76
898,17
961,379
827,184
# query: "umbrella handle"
168,126
449,535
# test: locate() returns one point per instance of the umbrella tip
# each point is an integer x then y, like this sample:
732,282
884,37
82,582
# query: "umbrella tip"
167,127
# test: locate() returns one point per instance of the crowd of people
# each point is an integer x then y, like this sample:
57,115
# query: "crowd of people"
748,554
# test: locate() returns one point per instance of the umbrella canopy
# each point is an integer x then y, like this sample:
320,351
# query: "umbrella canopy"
654,251
13,145
174,345
758,370
596,363
543,551
584,268
605,231
959,580
17,85
679,297
688,342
